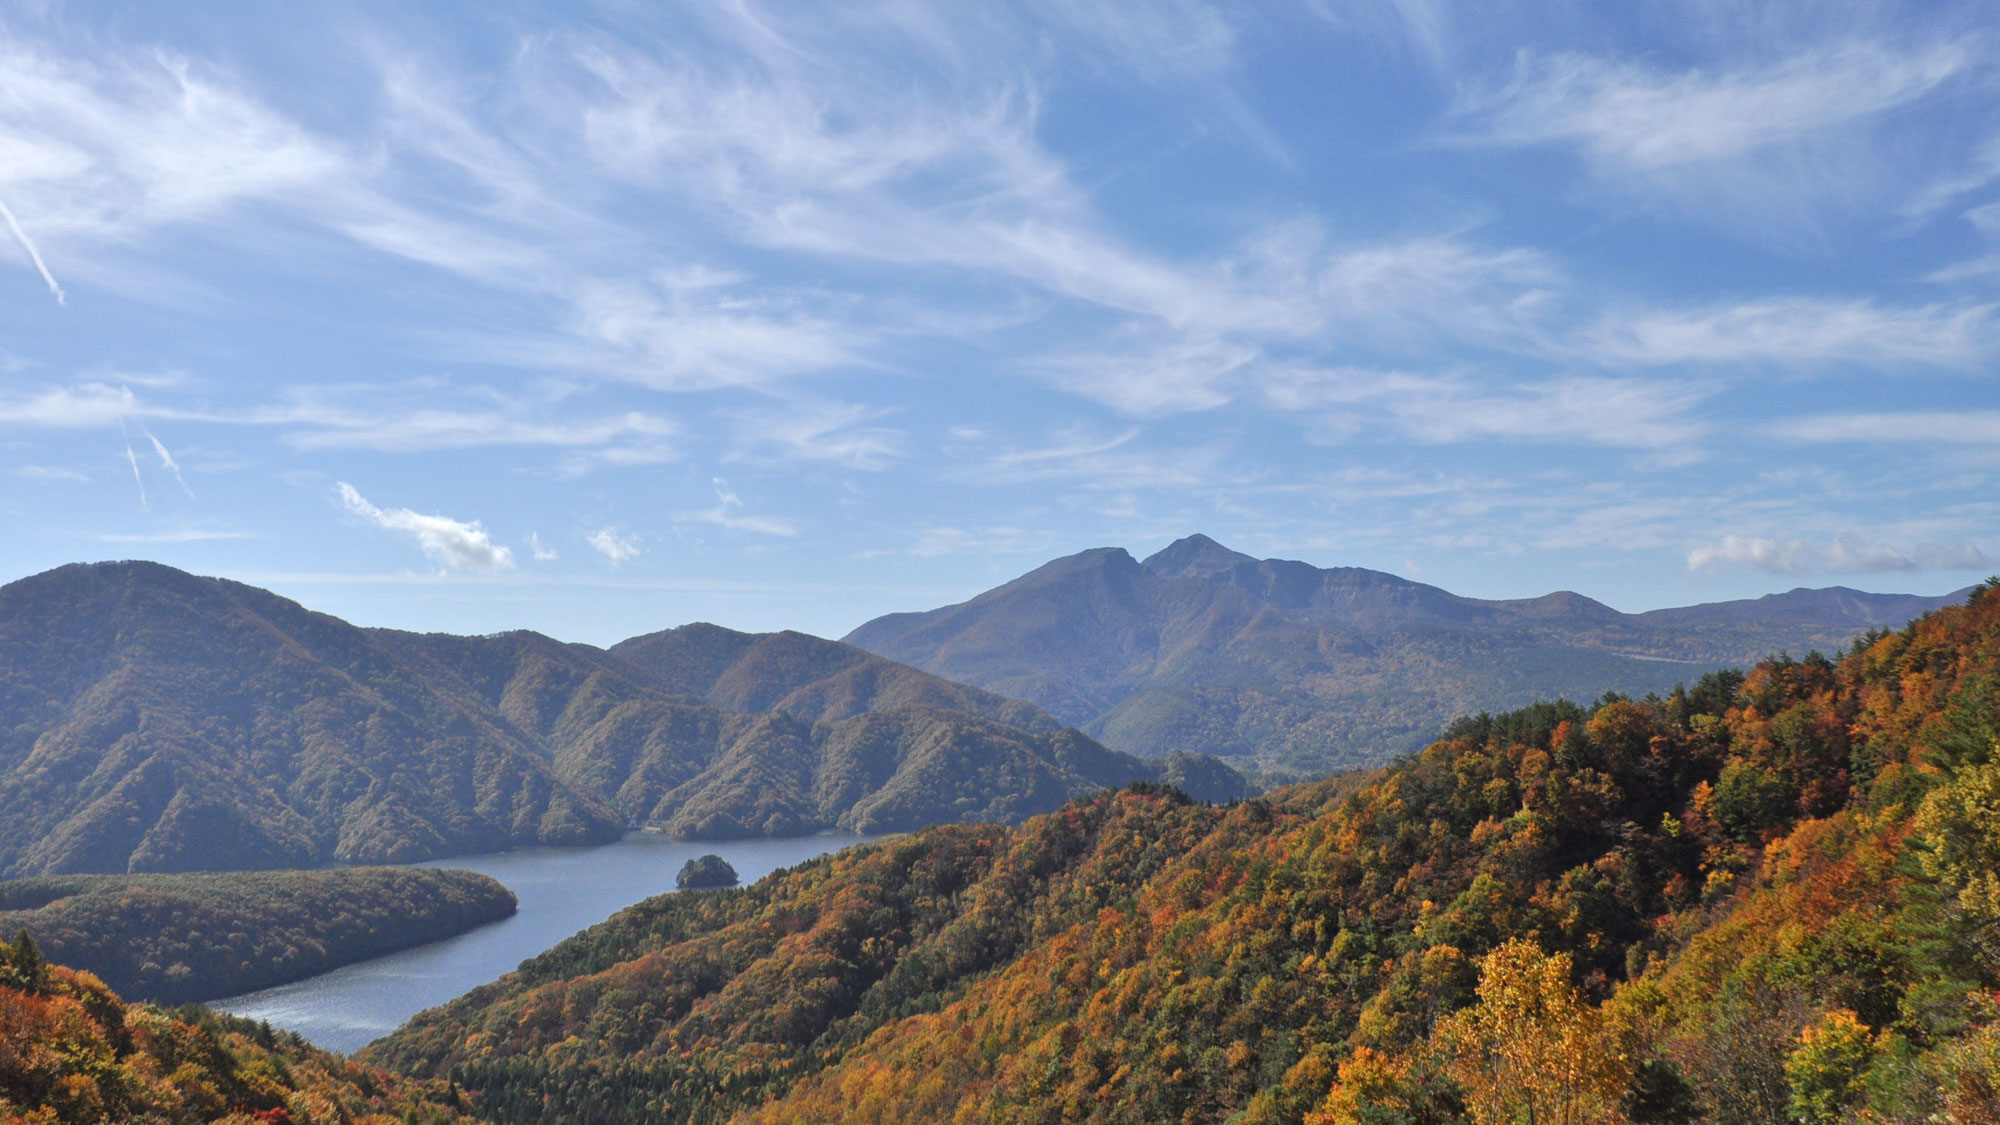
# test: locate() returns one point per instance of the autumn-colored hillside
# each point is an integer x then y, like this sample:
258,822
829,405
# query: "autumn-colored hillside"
1766,897
72,1051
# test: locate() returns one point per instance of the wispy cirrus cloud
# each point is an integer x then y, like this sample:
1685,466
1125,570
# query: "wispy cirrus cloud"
111,145
334,427
418,416
1799,332
1843,555
1443,409
728,513
616,544
821,430
1644,118
1766,134
87,405
455,545
1958,427
1097,460
51,474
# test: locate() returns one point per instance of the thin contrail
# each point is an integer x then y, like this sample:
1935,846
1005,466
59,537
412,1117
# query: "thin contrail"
14,225
168,463
133,459
136,478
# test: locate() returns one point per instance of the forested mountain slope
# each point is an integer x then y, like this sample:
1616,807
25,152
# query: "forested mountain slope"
1200,648
152,720
816,680
73,1053
1769,897
178,938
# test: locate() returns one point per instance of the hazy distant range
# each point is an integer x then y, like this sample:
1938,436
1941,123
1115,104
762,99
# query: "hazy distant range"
1289,667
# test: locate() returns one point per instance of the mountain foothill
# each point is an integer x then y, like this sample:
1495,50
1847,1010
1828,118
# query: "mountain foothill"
156,721
1285,668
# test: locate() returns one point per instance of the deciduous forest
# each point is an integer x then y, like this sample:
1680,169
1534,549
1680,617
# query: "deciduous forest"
72,1051
1763,897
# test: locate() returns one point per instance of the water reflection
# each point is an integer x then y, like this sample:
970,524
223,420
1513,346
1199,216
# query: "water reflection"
561,891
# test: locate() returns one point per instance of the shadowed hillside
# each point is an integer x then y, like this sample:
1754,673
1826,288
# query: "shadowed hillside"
151,720
157,721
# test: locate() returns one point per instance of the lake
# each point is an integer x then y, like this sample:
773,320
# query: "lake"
561,891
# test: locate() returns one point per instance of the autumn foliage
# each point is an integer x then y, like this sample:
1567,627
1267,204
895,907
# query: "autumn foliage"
1762,898
72,1051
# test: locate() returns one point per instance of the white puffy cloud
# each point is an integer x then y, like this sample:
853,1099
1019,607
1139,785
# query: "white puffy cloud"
450,543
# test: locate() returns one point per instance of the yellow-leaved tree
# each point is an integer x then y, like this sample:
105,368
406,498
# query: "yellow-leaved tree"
1958,834
1532,1051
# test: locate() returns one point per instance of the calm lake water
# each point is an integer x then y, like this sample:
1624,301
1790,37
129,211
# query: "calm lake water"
561,891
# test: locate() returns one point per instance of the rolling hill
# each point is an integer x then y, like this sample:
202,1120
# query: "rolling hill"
1292,667
152,720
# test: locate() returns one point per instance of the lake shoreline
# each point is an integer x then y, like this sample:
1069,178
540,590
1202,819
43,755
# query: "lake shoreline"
560,891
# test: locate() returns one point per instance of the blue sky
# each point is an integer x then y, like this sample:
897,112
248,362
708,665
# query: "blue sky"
598,319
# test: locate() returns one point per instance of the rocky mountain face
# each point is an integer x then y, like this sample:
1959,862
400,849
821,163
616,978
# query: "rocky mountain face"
152,720
1289,666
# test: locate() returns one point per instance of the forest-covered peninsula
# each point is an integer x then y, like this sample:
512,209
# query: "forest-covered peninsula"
203,936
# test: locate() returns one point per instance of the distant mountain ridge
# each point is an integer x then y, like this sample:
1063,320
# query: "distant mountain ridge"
1291,666
152,720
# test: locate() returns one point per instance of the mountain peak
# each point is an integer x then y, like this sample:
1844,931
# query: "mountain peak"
1196,554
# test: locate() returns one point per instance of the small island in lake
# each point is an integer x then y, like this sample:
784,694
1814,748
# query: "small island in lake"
706,871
